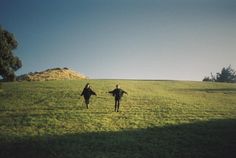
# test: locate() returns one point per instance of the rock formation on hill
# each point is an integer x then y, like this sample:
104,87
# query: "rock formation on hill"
52,74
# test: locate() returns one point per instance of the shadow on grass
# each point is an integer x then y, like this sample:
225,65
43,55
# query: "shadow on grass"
211,139
214,90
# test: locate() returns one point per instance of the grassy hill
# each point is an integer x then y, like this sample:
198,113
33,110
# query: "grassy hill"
157,119
52,74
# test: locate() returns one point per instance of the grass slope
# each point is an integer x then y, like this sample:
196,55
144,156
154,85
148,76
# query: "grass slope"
157,119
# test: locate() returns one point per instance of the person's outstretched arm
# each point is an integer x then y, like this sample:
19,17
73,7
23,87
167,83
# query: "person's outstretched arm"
93,93
111,92
82,93
125,92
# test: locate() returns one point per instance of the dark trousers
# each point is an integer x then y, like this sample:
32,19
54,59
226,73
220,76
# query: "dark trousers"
117,105
86,100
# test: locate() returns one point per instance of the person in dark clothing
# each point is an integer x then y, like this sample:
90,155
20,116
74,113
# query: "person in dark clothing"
87,92
117,93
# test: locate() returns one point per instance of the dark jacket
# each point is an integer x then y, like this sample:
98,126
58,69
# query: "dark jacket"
118,93
87,92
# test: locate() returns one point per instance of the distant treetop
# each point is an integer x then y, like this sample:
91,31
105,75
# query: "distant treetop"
226,75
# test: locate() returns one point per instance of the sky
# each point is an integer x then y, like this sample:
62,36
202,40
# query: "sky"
124,39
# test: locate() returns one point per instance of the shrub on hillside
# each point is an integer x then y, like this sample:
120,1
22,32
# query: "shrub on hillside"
207,79
226,75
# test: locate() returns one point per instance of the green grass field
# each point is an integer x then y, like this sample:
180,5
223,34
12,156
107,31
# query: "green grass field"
159,119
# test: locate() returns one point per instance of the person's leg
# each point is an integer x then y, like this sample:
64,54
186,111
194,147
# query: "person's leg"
87,103
115,104
118,105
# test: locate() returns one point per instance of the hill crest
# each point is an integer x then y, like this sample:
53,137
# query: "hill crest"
52,74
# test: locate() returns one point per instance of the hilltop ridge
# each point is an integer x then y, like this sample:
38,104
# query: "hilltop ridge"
52,74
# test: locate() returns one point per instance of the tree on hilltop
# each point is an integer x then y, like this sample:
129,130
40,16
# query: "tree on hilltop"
226,75
9,63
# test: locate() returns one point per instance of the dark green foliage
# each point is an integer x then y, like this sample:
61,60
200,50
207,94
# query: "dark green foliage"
9,63
226,75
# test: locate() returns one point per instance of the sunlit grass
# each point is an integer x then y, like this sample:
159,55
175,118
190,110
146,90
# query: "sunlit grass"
38,110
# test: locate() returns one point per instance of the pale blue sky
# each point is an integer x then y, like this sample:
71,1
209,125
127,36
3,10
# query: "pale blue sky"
130,39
